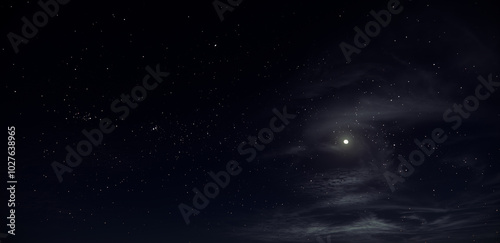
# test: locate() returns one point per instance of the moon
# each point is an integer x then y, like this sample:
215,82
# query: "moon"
346,141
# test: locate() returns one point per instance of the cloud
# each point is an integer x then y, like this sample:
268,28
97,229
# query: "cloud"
350,206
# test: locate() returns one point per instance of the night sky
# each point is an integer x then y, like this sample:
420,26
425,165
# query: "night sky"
252,121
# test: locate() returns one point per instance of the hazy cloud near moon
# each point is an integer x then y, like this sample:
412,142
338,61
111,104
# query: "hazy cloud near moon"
341,206
353,205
